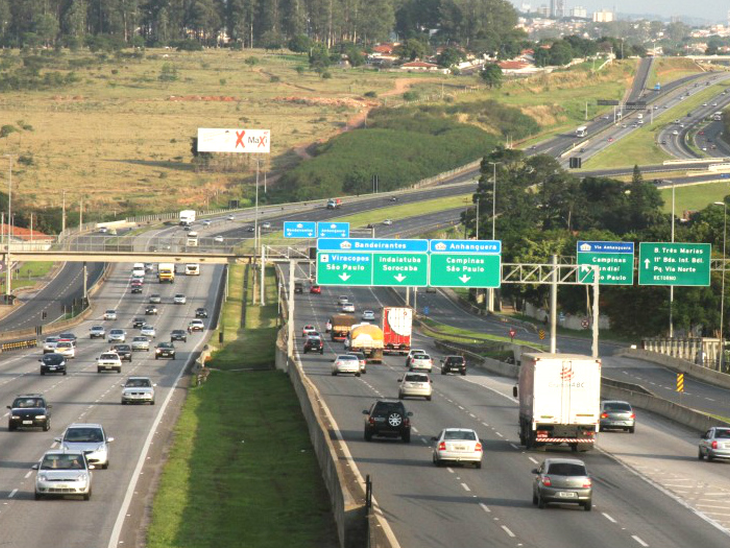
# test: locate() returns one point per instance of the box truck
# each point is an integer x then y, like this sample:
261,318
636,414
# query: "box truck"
397,325
187,217
166,273
368,339
559,397
341,325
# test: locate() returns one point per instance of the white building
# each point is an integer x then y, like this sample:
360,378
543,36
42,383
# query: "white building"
579,11
603,16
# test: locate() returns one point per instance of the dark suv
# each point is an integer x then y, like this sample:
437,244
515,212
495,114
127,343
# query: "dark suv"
388,418
314,344
124,351
453,363
28,411
53,363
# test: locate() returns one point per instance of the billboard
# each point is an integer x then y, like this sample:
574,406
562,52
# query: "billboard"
234,140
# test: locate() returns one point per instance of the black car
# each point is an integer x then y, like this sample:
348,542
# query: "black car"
314,344
453,363
178,335
136,289
150,310
138,323
124,351
53,363
29,411
201,313
298,287
388,418
165,350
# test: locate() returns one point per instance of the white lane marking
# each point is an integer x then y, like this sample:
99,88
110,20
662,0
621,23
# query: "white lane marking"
534,461
460,407
414,429
465,486
12,493
609,518
485,508
515,446
710,399
506,530
28,474
722,506
637,539
500,435
451,470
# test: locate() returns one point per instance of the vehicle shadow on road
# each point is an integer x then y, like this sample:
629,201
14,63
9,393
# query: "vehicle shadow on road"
396,462
491,502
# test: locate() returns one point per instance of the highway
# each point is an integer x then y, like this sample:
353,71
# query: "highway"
648,486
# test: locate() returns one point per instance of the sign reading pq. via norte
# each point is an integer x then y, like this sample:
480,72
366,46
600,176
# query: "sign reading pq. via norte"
678,264
615,262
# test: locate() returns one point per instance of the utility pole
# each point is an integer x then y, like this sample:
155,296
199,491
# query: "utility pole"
63,212
8,262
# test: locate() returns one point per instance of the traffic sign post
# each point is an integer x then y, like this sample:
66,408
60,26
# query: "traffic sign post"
674,264
615,262
333,230
300,229
512,333
465,263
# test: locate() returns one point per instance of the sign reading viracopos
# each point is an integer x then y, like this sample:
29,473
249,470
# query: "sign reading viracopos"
234,140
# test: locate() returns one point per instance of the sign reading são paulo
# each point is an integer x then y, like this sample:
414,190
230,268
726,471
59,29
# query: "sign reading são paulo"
615,262
415,263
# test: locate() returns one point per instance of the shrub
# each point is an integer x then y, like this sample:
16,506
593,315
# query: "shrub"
371,94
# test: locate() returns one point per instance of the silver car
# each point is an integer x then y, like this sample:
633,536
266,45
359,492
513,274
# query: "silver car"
416,385
715,444
421,361
346,364
97,331
140,343
117,336
89,439
110,314
49,345
617,414
562,481
138,390
63,473
457,445
179,298
148,331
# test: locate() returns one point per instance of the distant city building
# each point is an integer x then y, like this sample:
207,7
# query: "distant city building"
603,16
559,8
526,8
543,10
579,11
553,8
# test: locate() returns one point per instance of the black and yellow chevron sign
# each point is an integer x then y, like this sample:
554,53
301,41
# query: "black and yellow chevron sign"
680,382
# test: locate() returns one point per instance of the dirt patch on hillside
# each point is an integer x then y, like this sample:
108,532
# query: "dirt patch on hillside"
202,98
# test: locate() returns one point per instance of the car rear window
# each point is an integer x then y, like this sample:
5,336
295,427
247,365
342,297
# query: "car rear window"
454,359
567,469
617,406
417,378
722,433
459,435
387,407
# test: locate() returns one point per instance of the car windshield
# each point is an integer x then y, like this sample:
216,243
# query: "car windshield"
140,339
137,383
454,359
122,347
53,359
92,435
63,462
108,356
567,469
164,345
459,435
348,358
386,407
51,339
616,406
116,331
26,403
420,357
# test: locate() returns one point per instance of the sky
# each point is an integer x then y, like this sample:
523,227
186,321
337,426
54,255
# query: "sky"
715,11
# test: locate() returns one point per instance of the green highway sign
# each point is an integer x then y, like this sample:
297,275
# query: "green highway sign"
335,268
615,262
674,264
465,270
400,269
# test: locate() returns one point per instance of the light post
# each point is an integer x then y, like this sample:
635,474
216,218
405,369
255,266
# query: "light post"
721,363
490,291
9,231
671,287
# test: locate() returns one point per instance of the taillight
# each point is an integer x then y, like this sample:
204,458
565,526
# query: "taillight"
587,483
632,416
604,415
714,444
406,422
546,481
442,446
478,447
371,420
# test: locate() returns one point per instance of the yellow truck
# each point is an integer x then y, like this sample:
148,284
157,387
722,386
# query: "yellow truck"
339,326
166,273
368,339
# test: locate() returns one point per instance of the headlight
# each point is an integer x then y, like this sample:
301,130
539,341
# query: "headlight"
40,417
82,477
42,477
15,417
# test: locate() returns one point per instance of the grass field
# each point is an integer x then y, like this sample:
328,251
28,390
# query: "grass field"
27,275
241,471
695,197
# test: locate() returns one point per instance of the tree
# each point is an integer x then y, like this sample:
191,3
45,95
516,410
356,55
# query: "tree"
492,75
451,56
464,21
412,49
300,43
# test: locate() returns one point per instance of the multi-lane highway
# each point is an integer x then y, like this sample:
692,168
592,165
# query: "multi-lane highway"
648,486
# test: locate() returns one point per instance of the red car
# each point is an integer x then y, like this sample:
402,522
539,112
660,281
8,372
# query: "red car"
315,289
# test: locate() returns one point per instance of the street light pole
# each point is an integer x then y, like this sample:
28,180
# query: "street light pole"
10,230
721,362
671,287
490,291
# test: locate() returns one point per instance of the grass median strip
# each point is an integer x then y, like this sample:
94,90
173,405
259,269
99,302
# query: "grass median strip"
241,471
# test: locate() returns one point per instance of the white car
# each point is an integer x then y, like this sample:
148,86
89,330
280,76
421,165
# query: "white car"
421,361
63,473
49,345
416,385
230,217
196,325
343,299
117,336
348,307
110,314
457,445
66,349
140,343
218,239
109,361
412,353
206,222
266,225
97,331
138,390
368,315
388,222
307,329
89,439
179,298
346,363
148,331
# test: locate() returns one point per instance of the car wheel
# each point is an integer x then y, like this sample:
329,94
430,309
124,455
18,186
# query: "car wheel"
700,456
364,372
87,496
478,465
368,435
588,505
443,371
38,496
534,499
334,373
400,396
152,402
64,373
321,352
357,374
407,437
124,402
105,466
428,398
463,373
98,370
157,357
710,458
47,426
600,428
540,502
43,373
632,429
12,428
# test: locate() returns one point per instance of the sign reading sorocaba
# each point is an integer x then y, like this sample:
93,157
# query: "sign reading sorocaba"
234,140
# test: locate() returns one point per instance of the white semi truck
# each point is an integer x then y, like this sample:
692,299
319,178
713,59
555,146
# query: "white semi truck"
559,397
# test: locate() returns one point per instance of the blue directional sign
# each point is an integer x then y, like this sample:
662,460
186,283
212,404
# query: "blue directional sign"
368,244
300,229
333,230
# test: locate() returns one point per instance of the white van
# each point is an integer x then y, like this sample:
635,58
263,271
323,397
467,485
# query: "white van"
192,269
138,270
192,239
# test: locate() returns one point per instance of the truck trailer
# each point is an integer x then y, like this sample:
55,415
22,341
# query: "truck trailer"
187,217
341,325
368,339
397,326
559,397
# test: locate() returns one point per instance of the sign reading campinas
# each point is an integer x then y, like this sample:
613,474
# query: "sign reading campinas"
465,263
252,141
